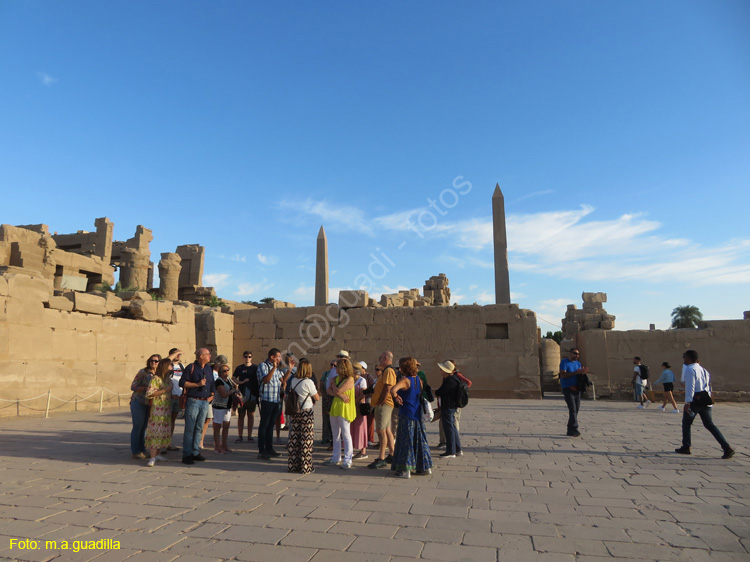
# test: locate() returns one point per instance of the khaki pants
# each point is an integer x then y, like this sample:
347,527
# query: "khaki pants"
457,419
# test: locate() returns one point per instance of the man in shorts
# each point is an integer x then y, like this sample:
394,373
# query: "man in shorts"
382,402
243,374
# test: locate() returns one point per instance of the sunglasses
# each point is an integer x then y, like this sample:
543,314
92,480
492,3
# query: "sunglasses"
248,356
153,360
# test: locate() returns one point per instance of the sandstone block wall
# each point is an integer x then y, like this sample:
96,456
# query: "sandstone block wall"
214,330
46,345
723,346
495,346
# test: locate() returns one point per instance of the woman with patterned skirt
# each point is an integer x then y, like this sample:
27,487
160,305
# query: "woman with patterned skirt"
412,451
159,429
302,427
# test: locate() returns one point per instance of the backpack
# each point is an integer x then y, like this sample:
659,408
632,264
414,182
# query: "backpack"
644,372
291,401
462,394
253,383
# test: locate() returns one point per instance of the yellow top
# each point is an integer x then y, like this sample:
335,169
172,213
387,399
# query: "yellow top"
341,409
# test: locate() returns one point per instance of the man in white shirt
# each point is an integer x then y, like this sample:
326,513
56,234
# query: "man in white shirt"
697,386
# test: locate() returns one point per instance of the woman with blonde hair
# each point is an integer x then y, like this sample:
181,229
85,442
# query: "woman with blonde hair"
359,426
412,451
159,430
302,426
343,412
139,406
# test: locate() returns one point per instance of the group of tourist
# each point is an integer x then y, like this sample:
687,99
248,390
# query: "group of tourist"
356,407
695,378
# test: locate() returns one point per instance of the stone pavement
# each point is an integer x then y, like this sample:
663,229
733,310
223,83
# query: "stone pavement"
521,492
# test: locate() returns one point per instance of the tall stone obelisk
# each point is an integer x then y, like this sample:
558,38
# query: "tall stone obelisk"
321,270
502,277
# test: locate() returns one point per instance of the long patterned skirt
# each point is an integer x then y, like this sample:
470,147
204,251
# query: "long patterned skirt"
158,431
412,451
300,445
327,433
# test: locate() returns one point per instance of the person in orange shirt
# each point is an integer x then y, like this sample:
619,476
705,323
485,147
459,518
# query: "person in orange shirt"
382,403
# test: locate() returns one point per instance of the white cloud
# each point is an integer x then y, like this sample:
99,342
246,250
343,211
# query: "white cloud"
250,289
235,257
46,79
457,298
484,297
305,292
268,260
215,280
536,194
555,304
334,216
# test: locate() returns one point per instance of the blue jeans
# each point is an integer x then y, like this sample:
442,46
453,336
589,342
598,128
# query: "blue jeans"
573,400
195,417
452,440
269,411
708,423
139,413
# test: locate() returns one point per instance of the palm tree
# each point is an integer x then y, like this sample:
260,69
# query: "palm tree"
686,316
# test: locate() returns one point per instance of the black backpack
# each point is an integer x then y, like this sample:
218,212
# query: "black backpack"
291,401
253,383
644,372
462,394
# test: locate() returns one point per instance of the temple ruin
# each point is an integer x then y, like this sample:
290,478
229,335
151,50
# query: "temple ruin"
65,329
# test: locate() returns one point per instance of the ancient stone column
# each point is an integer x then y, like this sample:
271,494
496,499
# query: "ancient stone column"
134,269
321,270
169,276
502,277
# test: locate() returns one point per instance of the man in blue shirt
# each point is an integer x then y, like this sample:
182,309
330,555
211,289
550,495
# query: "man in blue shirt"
271,380
197,381
569,370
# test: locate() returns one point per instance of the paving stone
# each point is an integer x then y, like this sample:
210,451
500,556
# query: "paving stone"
393,547
275,553
456,552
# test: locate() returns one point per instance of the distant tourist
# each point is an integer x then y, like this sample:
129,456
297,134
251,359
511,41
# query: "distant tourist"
667,379
302,426
570,368
175,355
226,395
359,426
289,369
158,432
412,452
698,402
327,400
139,407
640,381
343,412
450,366
270,381
382,402
198,382
448,395
244,375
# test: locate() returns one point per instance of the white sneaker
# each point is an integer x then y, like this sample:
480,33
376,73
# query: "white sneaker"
640,406
647,403
161,458
675,411
151,462
346,465
403,474
661,408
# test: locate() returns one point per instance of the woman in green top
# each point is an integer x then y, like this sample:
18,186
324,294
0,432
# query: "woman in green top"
343,412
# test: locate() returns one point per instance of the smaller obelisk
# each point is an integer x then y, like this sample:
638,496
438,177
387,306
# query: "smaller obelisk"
321,270
502,277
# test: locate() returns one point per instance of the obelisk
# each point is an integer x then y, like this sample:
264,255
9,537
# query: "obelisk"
321,270
500,240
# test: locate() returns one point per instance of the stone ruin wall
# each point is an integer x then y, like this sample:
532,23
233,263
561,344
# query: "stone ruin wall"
76,344
496,346
723,347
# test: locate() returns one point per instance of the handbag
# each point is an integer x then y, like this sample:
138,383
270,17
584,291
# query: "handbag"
427,414
701,400
428,393
364,409
183,400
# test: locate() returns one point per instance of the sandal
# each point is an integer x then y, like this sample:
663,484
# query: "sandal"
238,440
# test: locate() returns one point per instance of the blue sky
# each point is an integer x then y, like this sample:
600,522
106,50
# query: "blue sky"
618,133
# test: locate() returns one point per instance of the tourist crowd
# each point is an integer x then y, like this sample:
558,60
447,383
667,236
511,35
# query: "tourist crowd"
386,409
